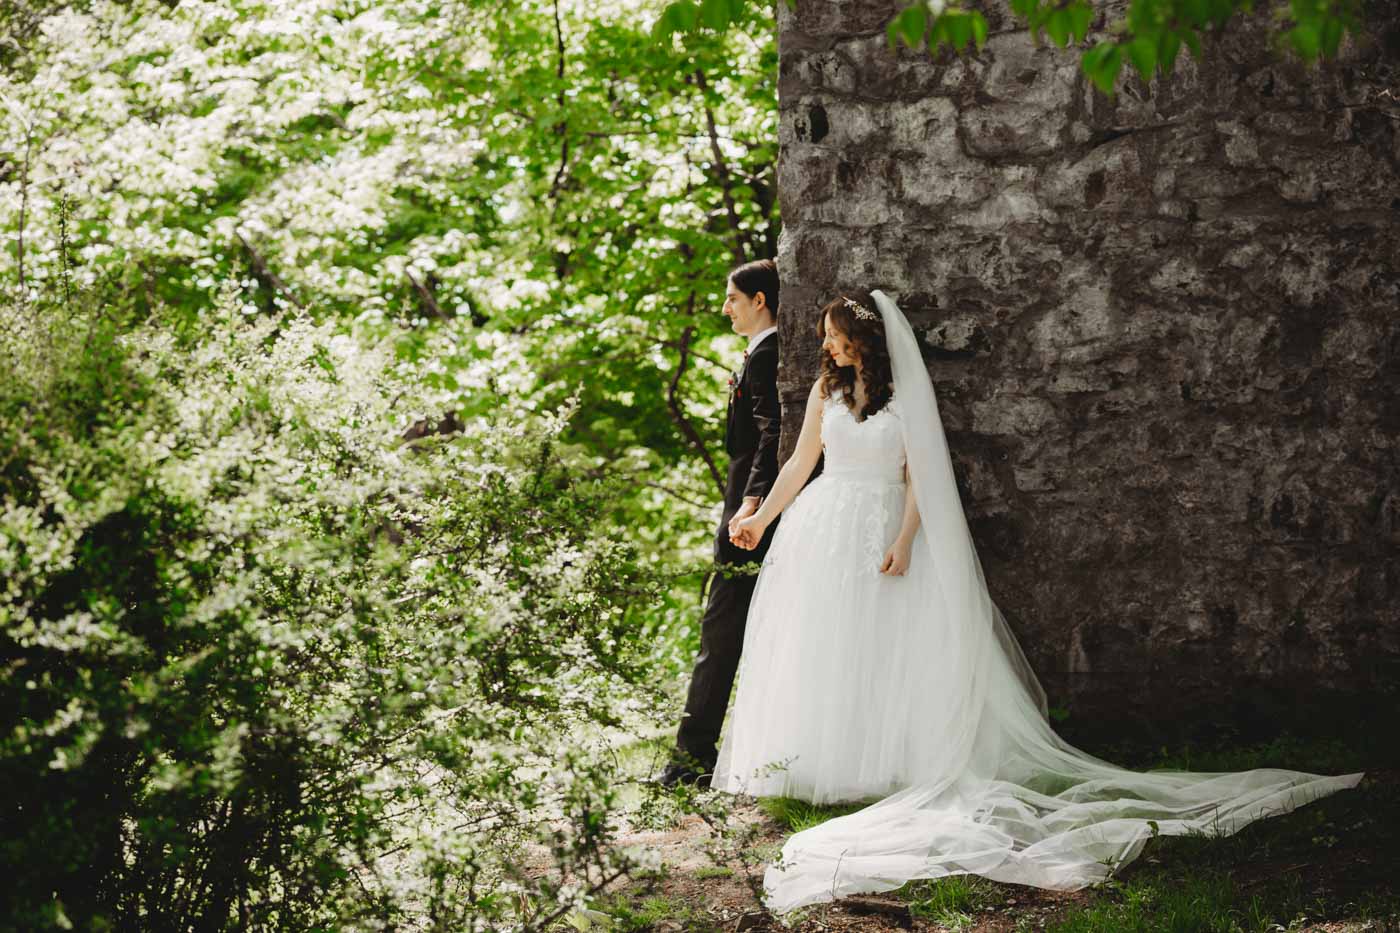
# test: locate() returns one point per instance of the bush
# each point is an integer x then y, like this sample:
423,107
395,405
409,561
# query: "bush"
269,664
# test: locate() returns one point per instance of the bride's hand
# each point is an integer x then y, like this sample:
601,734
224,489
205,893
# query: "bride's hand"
896,560
747,533
746,508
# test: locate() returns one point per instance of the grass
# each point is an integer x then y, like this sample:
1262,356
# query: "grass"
1330,862
1319,756
1205,902
952,902
632,915
797,815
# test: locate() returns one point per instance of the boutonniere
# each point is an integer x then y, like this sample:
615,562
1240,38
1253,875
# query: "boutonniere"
734,389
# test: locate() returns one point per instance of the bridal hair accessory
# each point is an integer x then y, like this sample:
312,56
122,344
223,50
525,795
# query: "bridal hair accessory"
862,312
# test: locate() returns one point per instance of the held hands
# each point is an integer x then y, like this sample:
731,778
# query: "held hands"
748,533
745,529
896,561
746,508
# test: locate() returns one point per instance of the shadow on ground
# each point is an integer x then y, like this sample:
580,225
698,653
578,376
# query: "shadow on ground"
1330,865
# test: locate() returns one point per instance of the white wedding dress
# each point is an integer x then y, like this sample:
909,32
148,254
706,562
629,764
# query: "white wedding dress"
853,685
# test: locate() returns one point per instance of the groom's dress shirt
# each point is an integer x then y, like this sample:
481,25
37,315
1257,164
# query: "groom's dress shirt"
756,338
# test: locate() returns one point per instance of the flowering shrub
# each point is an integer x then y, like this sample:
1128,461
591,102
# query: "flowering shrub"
280,652
356,401
549,186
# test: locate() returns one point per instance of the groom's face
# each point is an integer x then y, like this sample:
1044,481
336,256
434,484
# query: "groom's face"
744,313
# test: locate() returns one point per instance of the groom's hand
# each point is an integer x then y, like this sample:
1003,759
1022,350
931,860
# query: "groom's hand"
746,508
748,533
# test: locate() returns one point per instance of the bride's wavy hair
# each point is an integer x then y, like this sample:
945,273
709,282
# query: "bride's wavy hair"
868,337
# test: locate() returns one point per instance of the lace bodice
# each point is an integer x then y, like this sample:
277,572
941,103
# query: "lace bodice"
872,449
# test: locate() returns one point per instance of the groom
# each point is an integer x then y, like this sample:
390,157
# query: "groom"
751,439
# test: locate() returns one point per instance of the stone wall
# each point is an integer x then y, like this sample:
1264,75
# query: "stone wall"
1164,331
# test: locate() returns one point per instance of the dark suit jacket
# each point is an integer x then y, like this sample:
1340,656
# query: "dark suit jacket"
751,433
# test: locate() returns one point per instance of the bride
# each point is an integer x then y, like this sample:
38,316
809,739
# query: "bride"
875,665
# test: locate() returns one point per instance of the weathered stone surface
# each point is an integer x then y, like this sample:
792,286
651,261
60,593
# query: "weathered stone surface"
1164,330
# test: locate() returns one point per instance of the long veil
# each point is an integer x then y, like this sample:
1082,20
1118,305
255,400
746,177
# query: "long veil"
1011,801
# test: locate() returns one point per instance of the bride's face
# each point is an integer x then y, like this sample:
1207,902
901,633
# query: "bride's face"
840,347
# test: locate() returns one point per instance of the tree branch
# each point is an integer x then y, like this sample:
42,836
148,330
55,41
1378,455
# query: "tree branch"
650,484
742,247
562,127
261,270
552,373
23,207
703,357
548,921
673,403
429,302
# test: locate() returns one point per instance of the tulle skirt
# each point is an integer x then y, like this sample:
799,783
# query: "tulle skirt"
854,685
824,710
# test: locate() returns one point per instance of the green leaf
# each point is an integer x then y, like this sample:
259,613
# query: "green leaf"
1142,51
959,29
1306,40
1221,11
1171,44
687,14
915,24
1195,12
1080,16
893,29
1057,24
979,29
715,14
1144,15
679,16
1193,42
664,25
1101,64
1331,35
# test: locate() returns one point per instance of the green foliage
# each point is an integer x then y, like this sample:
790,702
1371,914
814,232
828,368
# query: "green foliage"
949,26
1149,36
316,613
566,186
269,663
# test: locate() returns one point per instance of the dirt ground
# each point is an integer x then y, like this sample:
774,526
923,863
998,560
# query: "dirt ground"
724,894
704,884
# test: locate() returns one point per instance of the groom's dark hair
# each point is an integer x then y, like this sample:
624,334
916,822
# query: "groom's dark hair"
761,275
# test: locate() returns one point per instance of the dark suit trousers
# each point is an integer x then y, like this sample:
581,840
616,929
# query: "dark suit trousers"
721,639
